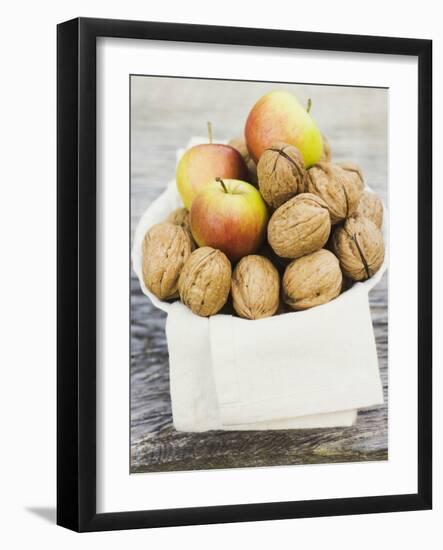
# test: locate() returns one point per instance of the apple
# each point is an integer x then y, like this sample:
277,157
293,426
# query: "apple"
200,164
230,215
278,116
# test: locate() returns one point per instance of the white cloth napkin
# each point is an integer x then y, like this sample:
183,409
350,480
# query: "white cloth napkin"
299,370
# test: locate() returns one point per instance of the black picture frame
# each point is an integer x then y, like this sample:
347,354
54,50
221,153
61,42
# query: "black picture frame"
76,280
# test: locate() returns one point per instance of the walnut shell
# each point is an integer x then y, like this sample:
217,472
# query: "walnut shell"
205,281
327,153
166,247
180,216
353,169
300,226
340,187
281,173
312,280
359,246
371,207
255,287
240,144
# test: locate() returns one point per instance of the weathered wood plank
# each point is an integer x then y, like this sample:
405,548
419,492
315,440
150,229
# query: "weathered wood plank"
165,113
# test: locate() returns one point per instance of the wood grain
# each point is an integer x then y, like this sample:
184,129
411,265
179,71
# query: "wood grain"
165,113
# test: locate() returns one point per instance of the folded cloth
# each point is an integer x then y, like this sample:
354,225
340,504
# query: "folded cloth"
299,370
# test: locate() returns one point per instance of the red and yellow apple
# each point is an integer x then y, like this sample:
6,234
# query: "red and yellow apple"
230,215
200,164
278,116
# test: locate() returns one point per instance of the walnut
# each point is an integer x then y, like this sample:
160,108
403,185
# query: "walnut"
255,287
359,246
312,280
371,207
180,217
300,226
281,173
327,153
205,281
240,144
352,168
340,187
166,247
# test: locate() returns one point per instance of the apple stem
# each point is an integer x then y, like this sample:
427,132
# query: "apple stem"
225,189
309,105
209,131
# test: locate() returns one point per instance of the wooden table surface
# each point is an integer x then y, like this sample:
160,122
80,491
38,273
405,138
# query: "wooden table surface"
165,113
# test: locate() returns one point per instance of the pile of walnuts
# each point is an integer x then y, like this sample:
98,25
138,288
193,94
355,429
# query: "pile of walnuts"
324,233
